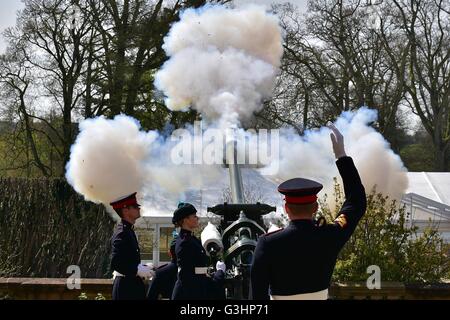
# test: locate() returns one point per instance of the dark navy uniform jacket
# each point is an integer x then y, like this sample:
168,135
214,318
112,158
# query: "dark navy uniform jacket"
189,285
125,258
163,282
301,258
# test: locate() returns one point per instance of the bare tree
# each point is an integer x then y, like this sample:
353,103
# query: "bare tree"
426,25
335,59
15,79
55,45
90,58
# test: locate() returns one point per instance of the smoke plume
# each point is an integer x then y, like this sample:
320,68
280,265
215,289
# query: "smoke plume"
222,62
114,158
106,161
311,156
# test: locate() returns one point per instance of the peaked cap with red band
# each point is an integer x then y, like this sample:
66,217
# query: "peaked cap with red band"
124,202
300,191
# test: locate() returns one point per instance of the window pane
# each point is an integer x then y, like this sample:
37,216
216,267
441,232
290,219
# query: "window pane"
145,239
165,238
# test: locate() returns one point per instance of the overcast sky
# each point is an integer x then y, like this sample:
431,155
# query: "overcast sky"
8,11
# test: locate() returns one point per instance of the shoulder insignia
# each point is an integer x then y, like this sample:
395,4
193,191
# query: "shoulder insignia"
341,220
272,232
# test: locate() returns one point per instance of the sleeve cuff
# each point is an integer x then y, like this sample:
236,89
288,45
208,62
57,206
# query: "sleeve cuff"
343,159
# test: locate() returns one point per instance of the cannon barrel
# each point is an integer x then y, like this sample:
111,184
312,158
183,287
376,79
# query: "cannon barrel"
231,160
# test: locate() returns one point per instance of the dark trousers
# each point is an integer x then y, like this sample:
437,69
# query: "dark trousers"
200,287
128,288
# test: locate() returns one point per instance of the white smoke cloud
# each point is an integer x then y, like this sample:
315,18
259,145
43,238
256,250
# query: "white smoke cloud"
114,158
105,161
174,176
223,62
311,156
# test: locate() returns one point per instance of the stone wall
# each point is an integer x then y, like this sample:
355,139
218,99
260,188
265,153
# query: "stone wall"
52,289
56,289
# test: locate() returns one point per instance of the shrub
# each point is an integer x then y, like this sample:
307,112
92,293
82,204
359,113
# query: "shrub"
386,238
46,227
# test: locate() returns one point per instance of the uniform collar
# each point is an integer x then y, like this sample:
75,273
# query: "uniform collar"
185,232
127,224
301,222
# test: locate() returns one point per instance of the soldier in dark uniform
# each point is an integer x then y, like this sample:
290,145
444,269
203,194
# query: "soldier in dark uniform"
165,277
296,263
125,257
193,282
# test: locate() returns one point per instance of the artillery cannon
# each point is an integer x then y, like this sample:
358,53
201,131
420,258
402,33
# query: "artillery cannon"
237,235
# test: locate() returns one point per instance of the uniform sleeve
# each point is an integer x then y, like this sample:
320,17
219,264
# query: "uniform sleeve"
354,205
259,273
121,258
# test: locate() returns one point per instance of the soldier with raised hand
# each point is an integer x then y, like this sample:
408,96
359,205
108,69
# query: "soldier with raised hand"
296,263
